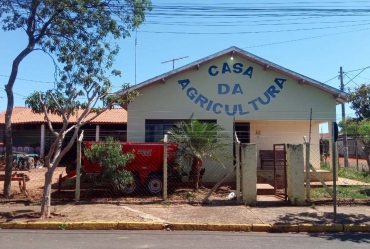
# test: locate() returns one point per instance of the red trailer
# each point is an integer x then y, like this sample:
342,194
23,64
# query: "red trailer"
146,167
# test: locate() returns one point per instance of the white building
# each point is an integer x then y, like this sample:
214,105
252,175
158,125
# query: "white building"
263,102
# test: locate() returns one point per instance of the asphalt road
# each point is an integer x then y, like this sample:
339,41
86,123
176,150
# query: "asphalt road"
171,239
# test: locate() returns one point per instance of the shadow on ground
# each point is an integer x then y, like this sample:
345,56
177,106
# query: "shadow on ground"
353,237
19,214
323,218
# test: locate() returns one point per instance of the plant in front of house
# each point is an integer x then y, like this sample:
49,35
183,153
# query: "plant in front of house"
108,154
199,141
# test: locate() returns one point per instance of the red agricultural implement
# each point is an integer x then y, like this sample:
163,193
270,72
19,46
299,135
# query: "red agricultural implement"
146,167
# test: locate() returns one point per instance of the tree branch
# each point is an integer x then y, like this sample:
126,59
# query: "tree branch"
47,115
46,24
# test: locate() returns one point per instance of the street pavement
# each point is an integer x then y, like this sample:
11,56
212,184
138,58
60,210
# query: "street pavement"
176,239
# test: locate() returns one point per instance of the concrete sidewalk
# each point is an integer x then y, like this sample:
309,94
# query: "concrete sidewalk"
198,217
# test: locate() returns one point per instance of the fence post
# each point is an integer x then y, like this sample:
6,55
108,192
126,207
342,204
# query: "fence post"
249,172
308,187
295,175
165,168
78,167
237,159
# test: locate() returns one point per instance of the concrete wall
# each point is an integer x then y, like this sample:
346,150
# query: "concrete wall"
266,133
295,176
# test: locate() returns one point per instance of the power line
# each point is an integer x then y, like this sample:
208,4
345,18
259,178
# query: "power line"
306,38
247,32
357,69
359,76
350,79
37,81
356,76
331,79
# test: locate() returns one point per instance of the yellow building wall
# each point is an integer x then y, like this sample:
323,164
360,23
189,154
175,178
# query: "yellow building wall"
240,90
248,94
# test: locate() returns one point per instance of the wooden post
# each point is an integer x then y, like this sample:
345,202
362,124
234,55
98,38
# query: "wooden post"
42,141
97,133
78,167
165,168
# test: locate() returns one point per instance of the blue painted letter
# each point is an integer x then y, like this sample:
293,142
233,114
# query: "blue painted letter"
253,102
210,71
223,89
265,102
202,100
240,107
248,72
235,109
184,83
215,108
237,89
272,90
280,82
238,68
192,93
225,68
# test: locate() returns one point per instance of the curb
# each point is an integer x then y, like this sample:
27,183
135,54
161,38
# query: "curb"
177,226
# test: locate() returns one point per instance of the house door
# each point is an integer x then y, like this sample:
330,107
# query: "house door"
280,172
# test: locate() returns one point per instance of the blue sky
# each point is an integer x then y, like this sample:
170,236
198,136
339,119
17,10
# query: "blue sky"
263,28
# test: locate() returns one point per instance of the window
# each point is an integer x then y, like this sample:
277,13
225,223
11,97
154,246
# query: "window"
156,128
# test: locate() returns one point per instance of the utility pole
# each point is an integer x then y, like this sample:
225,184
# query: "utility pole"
343,120
173,61
135,52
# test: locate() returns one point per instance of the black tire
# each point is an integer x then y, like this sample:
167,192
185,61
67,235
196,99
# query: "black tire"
154,184
132,188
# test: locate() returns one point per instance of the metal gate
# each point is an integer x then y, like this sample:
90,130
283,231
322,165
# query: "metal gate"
280,174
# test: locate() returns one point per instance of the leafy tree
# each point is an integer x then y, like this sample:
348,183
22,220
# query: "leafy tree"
359,99
108,154
78,35
199,140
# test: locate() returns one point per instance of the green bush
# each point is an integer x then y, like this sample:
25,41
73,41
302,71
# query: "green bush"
108,154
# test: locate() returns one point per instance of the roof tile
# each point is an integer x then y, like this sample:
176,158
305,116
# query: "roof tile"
24,115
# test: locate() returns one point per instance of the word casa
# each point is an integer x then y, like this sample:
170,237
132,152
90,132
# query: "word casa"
237,68
231,110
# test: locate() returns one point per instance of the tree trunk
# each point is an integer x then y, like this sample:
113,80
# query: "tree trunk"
8,122
196,166
8,147
46,198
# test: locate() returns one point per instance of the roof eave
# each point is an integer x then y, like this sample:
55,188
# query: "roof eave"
340,96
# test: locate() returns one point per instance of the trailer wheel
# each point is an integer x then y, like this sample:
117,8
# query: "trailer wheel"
155,184
131,188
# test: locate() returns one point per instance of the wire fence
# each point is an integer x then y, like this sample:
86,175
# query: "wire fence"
217,179
356,154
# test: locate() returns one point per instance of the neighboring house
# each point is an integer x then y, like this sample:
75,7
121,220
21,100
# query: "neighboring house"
31,130
263,102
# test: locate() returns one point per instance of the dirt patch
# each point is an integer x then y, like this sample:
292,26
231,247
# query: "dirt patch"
35,185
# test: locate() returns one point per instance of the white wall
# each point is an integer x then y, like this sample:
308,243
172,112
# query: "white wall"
282,119
173,100
286,132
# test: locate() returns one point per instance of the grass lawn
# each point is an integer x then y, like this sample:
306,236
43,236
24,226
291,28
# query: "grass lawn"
358,175
354,192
